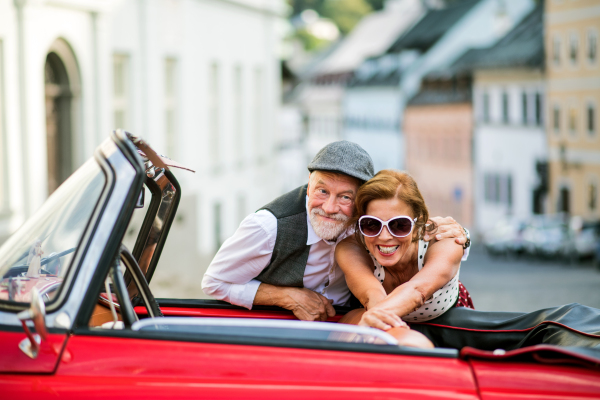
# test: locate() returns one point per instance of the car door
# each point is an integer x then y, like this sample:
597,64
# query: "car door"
130,365
521,380
14,360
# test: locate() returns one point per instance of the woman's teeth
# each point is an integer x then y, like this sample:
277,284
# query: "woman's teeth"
387,249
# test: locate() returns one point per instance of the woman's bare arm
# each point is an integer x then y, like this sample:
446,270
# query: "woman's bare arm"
356,264
442,262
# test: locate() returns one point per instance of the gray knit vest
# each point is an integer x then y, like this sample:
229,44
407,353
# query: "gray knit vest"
290,253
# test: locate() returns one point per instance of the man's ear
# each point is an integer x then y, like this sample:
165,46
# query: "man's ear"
308,186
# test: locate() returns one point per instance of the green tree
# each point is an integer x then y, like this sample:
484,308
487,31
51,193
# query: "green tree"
345,13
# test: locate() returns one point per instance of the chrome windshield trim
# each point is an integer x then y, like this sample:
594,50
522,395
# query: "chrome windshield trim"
265,323
123,174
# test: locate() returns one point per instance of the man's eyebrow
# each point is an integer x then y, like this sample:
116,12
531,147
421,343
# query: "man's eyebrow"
320,182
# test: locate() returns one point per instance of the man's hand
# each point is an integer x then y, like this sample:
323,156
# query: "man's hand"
381,319
304,303
308,305
447,228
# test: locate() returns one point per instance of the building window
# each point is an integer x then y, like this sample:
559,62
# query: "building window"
213,116
508,189
591,119
556,118
573,48
592,46
121,91
538,109
505,107
556,51
524,108
259,93
218,225
486,107
238,115
573,121
170,106
564,200
498,189
592,196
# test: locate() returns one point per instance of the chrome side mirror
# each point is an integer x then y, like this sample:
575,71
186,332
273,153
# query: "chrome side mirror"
37,314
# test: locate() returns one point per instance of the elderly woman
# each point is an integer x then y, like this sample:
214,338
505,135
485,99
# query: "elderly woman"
390,269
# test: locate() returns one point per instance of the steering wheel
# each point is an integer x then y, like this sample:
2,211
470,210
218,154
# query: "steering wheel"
123,294
140,282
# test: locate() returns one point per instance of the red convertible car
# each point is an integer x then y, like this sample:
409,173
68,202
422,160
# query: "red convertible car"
78,320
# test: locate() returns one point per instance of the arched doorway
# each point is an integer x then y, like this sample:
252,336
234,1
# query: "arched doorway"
61,78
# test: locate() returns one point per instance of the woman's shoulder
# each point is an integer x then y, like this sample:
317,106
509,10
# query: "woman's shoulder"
349,251
348,244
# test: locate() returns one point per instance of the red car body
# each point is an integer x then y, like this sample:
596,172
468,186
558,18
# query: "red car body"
77,360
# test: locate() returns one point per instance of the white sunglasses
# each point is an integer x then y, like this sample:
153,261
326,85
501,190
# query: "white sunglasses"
400,226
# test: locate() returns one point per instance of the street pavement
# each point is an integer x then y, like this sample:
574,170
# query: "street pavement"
521,284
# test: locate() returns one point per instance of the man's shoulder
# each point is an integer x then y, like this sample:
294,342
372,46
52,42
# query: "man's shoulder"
288,204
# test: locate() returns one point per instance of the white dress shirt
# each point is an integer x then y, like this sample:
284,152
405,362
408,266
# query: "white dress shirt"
231,274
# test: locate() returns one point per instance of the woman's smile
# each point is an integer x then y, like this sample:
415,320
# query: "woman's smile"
387,251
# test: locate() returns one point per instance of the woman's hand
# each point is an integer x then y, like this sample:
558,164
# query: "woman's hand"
381,319
447,228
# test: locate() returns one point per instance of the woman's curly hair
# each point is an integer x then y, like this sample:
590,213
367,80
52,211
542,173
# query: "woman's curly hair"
389,184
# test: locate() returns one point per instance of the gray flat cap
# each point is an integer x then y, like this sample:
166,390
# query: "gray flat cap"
345,157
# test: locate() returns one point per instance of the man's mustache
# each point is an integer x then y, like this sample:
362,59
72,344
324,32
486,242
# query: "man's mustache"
337,216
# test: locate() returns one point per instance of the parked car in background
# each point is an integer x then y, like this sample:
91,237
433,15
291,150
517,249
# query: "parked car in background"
581,241
505,238
78,319
545,235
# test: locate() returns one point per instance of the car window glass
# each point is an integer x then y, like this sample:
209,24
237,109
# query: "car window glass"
39,254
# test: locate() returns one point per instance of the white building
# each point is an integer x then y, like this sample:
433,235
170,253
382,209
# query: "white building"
200,80
510,145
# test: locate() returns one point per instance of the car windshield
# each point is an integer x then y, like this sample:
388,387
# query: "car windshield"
39,254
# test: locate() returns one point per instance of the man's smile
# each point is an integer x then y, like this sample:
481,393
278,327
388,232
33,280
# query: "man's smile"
328,218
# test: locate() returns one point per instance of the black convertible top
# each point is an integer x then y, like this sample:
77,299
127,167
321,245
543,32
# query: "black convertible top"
565,334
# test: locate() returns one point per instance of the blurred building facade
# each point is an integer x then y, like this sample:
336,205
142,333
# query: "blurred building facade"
372,101
322,94
509,139
199,80
573,87
438,121
438,127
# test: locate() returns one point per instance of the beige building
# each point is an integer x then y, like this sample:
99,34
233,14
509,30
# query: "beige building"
438,124
573,87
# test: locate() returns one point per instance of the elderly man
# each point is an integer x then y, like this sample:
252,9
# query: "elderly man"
283,254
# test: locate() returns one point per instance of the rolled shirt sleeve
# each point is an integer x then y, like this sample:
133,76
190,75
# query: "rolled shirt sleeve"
231,274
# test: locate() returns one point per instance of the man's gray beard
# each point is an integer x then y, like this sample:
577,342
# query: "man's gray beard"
328,230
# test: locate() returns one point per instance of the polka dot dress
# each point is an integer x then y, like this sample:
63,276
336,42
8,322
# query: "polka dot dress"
439,303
